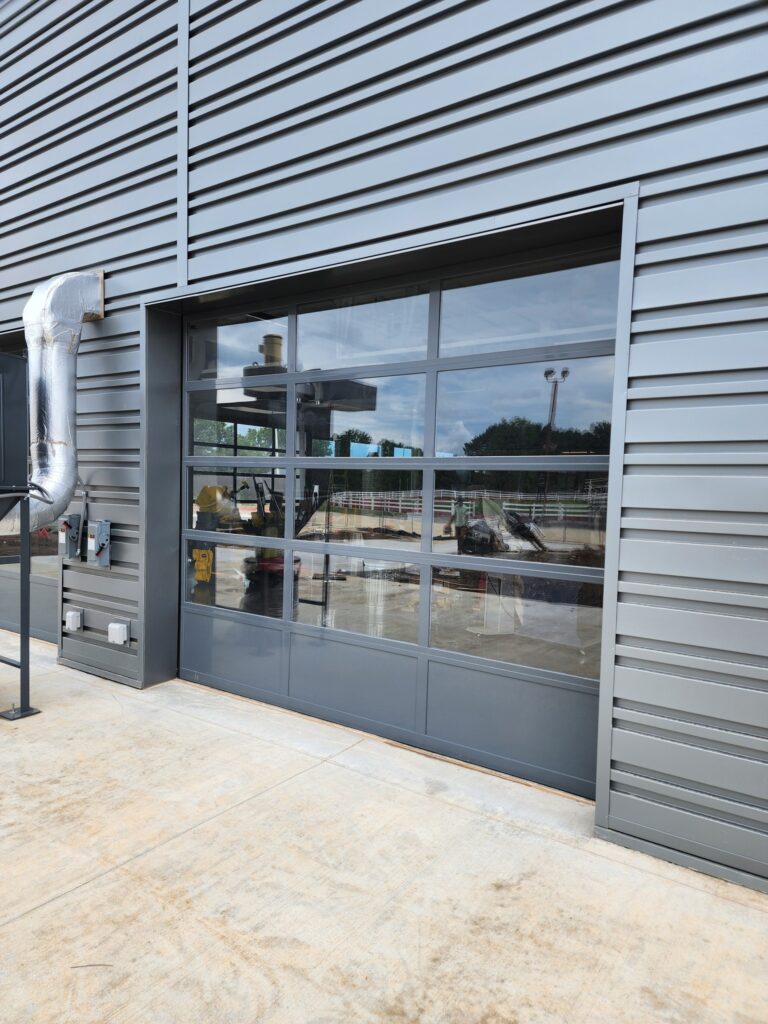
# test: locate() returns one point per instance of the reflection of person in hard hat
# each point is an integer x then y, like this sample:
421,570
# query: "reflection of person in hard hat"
460,520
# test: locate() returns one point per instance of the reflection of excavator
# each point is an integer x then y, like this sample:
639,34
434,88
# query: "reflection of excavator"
479,537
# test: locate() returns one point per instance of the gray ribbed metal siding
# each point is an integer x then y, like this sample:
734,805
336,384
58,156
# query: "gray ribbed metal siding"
689,737
88,179
324,131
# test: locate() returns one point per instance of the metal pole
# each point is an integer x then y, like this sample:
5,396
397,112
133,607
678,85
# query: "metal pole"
24,594
23,710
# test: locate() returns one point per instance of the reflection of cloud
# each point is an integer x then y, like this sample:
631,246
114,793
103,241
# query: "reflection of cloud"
479,398
384,331
399,412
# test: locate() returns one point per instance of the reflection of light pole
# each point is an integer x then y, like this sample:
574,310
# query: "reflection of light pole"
551,377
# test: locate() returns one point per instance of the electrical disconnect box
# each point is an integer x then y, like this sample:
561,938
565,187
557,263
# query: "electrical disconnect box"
98,543
69,536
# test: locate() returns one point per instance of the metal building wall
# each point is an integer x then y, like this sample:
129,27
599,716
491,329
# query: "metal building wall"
88,157
686,730
321,132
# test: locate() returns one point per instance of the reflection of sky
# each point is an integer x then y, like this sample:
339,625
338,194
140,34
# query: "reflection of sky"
561,305
469,401
384,331
398,416
237,345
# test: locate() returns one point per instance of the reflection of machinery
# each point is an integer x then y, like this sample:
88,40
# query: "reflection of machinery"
263,571
480,537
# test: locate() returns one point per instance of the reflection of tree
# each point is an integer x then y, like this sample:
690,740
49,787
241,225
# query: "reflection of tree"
388,447
350,437
521,435
213,433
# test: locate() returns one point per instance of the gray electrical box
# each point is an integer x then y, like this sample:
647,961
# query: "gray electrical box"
98,543
69,536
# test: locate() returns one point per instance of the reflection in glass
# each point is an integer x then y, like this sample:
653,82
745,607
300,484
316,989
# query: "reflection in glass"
549,624
361,419
238,422
359,506
238,346
359,595
44,550
526,409
537,516
230,500
243,578
354,332
494,312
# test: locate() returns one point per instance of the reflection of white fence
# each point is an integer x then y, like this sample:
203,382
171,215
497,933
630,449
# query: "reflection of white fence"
556,505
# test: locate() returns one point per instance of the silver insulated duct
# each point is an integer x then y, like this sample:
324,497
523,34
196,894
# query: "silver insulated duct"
53,322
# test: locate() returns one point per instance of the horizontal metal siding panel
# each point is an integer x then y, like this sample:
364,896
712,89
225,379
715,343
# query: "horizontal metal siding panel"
402,219
440,90
710,422
117,660
698,490
719,279
734,633
743,776
699,697
115,211
127,161
707,561
697,834
564,115
711,209
85,76
703,354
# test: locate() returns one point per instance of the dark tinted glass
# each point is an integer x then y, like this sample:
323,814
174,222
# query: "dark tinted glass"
526,409
367,596
537,516
499,311
354,332
549,624
229,500
383,416
238,346
246,579
238,422
359,506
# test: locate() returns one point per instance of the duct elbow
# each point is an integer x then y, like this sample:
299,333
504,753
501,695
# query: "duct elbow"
53,319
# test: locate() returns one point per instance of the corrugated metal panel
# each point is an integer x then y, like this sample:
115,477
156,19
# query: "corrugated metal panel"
689,747
88,179
386,120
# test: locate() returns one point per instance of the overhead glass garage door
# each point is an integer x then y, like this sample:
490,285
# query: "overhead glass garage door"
395,507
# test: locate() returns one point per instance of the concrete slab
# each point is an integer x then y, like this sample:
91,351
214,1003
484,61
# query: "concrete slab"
180,855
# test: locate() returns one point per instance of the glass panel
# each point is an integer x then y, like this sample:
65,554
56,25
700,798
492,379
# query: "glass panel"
359,506
238,422
44,550
383,416
240,346
526,409
528,307
550,624
361,330
244,578
231,500
537,516
359,595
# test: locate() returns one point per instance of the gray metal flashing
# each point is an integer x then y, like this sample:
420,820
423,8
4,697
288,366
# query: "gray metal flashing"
613,515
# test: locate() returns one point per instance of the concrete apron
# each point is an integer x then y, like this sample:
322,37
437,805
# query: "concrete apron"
183,855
